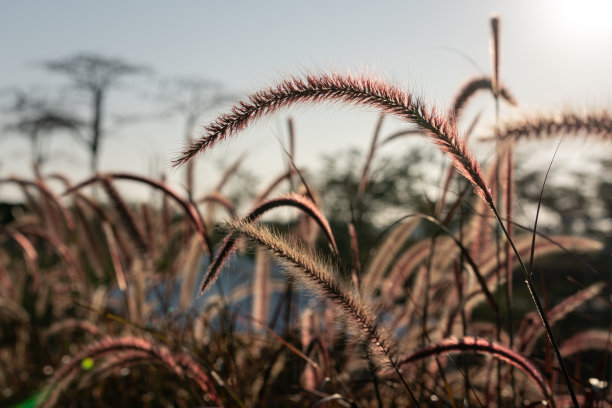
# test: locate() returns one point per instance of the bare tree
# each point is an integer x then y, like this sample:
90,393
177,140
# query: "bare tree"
38,118
96,75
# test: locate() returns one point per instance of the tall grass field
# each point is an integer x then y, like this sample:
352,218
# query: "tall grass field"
290,301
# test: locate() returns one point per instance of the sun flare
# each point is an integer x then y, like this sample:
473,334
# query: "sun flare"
583,20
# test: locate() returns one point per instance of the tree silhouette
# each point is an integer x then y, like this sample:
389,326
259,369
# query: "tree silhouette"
393,191
38,118
96,75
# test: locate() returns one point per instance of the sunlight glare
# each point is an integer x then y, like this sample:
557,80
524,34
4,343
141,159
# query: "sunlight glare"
583,20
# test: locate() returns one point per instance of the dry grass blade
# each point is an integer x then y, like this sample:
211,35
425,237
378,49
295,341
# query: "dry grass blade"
354,89
188,207
402,270
547,246
60,177
73,268
229,173
387,252
242,293
551,245
48,194
104,217
276,182
191,267
401,133
572,302
530,330
356,266
587,340
292,348
468,259
337,398
113,250
217,198
149,228
178,363
291,148
589,245
261,285
69,325
127,217
509,190
8,289
535,223
90,241
365,174
482,346
29,252
532,291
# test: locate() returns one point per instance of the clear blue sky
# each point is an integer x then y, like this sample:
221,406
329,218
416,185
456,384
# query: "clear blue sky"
555,54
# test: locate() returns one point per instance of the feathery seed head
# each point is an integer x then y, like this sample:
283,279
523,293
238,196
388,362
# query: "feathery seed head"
353,89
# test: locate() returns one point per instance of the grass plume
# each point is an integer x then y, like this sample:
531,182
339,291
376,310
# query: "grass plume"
318,276
593,123
354,89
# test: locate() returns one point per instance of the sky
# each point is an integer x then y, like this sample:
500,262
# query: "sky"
556,54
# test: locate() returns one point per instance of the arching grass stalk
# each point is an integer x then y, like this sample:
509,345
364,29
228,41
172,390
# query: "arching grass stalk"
188,207
318,276
481,346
